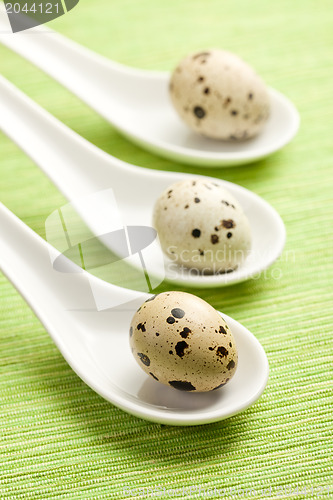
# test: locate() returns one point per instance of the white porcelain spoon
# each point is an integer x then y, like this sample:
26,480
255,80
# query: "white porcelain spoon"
137,103
79,169
96,345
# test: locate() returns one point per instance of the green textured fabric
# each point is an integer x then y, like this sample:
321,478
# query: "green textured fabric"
61,440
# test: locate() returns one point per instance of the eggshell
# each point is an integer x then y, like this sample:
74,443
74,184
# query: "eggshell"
181,341
202,226
219,95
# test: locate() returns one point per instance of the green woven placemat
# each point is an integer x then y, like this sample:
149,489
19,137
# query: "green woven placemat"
61,440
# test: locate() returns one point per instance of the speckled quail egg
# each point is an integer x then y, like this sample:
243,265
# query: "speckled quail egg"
182,341
202,226
219,95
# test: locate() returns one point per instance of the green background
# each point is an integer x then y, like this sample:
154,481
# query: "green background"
61,440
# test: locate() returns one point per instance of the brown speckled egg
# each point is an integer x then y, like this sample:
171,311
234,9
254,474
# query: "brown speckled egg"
220,96
202,226
181,341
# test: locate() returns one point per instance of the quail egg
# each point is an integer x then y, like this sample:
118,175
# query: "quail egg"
183,342
202,226
219,95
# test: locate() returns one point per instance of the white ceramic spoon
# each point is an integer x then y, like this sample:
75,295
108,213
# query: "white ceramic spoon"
137,103
96,344
79,168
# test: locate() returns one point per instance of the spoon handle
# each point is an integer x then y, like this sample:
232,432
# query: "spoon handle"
73,164
75,67
26,259
110,88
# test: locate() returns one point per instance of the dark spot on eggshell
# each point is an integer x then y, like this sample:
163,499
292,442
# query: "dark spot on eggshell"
228,224
250,96
154,376
141,327
199,112
144,358
182,385
131,331
234,112
230,344
196,200
157,334
196,233
201,79
208,187
227,101
222,330
186,206
229,235
211,348
206,90
231,365
214,239
180,348
177,312
185,332
170,320
170,352
226,203
201,252
194,183
222,352
221,385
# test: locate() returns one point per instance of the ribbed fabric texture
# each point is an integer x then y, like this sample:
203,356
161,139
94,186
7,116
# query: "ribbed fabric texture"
60,440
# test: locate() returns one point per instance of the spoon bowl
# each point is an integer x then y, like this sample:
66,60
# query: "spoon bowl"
137,103
95,342
79,170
